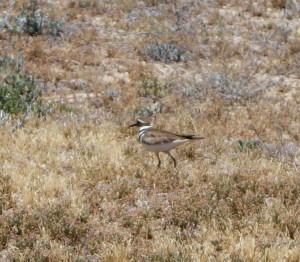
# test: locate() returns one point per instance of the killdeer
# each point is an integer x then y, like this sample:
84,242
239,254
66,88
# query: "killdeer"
159,140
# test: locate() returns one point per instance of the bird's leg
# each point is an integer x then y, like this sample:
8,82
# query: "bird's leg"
172,158
159,162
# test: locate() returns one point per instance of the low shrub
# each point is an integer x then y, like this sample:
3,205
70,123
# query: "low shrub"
19,94
167,53
32,20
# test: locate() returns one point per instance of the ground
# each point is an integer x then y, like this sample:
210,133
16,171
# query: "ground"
77,186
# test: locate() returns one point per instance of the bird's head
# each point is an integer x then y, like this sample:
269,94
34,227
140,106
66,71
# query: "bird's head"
139,123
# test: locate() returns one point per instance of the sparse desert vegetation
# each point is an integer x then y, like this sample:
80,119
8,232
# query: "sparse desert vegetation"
75,185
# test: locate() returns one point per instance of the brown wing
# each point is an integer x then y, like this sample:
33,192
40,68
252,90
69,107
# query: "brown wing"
154,136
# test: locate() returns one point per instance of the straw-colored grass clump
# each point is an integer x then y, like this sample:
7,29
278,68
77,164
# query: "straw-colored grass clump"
76,185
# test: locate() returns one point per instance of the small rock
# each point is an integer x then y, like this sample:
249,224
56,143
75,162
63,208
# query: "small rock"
4,256
43,166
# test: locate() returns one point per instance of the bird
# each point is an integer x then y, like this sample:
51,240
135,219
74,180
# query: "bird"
157,141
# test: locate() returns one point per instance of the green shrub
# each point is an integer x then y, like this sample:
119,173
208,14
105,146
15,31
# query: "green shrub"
32,20
153,87
167,53
19,93
113,93
16,92
239,87
222,83
243,145
189,91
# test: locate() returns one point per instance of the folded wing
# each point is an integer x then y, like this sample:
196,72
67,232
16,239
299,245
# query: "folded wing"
154,136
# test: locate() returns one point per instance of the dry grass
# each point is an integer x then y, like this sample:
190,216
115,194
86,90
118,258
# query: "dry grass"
77,186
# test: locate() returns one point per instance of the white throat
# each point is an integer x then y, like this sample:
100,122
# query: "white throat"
144,128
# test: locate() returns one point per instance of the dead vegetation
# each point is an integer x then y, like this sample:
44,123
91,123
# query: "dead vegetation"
75,184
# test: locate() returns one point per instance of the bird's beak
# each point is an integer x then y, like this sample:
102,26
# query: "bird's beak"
135,124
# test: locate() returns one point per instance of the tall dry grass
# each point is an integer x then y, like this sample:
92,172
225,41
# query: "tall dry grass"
77,186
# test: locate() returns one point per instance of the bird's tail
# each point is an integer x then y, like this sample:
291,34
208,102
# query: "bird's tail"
193,137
